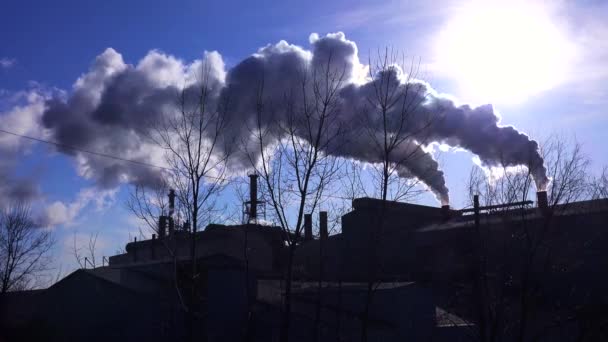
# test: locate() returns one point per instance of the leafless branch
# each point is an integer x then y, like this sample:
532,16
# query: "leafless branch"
24,248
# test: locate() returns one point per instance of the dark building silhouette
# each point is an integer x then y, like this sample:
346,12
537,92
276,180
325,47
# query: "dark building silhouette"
424,263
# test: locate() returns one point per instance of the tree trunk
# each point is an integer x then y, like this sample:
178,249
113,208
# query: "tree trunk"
319,285
193,294
285,322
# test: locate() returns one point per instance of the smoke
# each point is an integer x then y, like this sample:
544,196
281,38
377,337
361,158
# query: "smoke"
111,110
436,119
20,112
113,104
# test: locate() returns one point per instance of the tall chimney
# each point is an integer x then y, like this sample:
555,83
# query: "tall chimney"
307,227
323,233
171,211
253,197
135,249
542,200
171,225
171,202
445,212
162,226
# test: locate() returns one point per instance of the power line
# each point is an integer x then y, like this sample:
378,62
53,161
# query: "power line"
140,163
105,155
100,154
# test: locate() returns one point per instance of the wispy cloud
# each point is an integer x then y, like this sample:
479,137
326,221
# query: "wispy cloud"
60,213
396,13
6,63
591,70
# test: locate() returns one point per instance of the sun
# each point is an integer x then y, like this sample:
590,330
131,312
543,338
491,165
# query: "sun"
503,52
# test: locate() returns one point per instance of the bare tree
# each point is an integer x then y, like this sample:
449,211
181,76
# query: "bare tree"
293,155
390,122
599,185
508,187
196,152
86,255
24,248
513,254
149,203
567,167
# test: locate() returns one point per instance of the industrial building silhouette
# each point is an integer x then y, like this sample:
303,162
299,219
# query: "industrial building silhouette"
424,263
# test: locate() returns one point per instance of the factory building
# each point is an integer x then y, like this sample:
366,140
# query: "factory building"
435,273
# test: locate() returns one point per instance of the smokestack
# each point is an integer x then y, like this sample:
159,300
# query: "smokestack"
323,225
445,212
171,202
253,197
476,213
171,225
479,130
135,249
171,211
542,200
307,227
162,226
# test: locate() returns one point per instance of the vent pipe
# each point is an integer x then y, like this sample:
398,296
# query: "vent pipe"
476,212
445,212
307,227
542,200
171,202
135,249
323,233
162,226
171,225
253,197
171,211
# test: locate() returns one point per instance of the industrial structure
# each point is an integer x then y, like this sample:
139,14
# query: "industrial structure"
437,274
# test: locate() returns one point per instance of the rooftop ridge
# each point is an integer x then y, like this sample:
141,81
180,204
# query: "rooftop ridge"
359,203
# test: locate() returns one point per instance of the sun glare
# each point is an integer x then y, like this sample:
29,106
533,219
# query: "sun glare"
503,53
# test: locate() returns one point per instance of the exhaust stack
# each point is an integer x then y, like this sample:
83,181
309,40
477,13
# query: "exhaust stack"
171,202
307,227
162,226
171,211
253,198
323,233
542,200
445,212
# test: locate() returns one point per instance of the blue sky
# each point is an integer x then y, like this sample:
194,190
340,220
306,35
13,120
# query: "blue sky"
46,46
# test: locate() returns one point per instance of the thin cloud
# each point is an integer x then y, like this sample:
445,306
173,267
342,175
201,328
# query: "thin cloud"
6,63
60,213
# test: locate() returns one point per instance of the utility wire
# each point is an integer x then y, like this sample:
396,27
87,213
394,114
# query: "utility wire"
85,151
105,155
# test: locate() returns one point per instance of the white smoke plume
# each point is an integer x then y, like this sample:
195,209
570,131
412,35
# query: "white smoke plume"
112,105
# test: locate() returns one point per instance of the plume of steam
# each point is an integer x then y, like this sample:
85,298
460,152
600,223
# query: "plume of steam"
111,104
475,129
